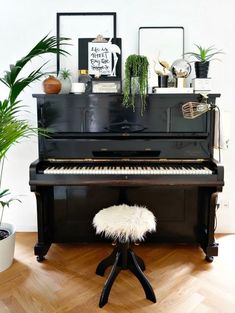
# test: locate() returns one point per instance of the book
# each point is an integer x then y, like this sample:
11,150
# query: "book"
172,90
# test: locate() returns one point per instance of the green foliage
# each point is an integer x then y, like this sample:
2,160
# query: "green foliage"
205,54
45,45
5,202
12,128
135,66
64,73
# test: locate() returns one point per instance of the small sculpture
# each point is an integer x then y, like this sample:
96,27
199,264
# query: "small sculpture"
114,49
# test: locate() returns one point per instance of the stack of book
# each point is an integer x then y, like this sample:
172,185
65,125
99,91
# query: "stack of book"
105,87
172,90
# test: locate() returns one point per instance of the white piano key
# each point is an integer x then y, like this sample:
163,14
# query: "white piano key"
129,170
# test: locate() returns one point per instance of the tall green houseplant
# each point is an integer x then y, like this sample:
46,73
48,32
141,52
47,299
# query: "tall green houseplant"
12,127
136,80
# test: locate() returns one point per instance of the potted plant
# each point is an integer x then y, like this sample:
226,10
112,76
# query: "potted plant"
13,129
203,57
136,80
66,84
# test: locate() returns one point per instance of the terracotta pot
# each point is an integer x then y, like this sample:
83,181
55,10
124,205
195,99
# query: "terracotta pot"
51,85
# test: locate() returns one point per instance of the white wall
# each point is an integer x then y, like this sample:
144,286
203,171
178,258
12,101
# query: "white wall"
25,22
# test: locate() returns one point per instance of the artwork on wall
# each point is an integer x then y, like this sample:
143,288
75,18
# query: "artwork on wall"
82,25
160,43
100,58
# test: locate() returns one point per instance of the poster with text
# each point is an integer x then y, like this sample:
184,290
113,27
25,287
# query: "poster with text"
99,59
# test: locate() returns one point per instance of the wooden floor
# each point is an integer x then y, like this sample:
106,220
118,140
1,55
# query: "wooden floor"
66,282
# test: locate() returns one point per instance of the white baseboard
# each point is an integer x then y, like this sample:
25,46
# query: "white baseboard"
24,228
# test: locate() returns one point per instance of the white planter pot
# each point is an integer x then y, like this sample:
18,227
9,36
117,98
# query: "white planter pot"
66,86
7,247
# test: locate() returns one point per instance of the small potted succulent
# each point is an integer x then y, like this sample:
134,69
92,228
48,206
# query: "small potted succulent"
203,57
65,79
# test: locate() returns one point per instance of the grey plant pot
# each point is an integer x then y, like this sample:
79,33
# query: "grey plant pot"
7,247
66,85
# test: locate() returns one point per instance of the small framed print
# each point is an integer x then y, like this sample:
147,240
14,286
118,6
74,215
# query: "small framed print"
106,86
102,58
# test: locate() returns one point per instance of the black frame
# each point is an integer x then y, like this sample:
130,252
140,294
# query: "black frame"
83,60
146,35
161,27
59,15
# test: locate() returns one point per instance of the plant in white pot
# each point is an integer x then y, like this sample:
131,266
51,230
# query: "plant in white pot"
13,129
66,84
7,235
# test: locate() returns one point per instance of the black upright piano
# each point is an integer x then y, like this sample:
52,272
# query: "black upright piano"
98,153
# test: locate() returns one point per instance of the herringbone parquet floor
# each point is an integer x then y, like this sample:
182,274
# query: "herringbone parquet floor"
66,282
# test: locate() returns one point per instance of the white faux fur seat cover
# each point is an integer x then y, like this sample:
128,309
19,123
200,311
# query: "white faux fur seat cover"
124,222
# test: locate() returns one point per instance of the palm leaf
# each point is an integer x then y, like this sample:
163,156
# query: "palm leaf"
45,45
12,128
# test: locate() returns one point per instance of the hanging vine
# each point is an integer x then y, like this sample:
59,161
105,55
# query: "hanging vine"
136,67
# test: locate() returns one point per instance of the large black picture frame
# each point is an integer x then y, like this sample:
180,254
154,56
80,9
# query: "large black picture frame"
59,19
160,42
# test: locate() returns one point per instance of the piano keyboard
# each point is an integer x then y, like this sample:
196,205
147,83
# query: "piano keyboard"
129,170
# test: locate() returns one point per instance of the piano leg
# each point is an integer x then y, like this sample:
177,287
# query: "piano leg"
44,222
211,247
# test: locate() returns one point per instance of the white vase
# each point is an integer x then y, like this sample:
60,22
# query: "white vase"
7,247
66,85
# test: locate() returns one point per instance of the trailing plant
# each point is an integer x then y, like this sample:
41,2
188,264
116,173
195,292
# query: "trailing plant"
205,54
135,66
12,127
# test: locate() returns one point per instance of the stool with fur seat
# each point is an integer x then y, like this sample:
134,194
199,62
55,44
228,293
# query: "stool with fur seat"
124,224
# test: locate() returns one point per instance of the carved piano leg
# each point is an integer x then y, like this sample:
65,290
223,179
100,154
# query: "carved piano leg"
211,248
44,237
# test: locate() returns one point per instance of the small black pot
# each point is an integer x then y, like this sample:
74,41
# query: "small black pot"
163,80
201,69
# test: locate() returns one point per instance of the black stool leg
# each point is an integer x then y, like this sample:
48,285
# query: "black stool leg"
106,263
136,270
109,282
140,262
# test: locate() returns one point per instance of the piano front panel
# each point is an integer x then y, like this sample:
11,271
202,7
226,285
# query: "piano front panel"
64,148
175,209
97,113
74,209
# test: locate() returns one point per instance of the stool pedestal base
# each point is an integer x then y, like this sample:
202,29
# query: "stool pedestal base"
123,258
